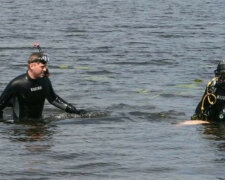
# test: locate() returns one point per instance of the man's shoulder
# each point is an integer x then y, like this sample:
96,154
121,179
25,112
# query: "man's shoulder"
19,79
45,81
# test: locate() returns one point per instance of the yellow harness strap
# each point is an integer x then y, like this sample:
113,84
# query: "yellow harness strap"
211,97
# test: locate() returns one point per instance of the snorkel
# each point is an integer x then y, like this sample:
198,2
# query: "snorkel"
38,46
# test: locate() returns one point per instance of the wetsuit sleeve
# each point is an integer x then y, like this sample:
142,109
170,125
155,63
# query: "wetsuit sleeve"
57,101
9,91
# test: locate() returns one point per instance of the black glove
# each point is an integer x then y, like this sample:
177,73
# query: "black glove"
71,109
199,116
81,112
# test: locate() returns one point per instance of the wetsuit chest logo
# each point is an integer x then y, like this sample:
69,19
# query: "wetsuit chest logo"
38,88
221,97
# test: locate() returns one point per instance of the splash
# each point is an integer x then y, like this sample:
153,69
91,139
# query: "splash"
64,116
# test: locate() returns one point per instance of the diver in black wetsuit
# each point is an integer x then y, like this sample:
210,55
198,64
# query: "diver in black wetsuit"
212,105
27,92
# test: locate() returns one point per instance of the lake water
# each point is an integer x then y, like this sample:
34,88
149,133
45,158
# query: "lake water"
133,65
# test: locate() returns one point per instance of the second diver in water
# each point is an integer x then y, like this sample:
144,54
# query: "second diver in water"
212,105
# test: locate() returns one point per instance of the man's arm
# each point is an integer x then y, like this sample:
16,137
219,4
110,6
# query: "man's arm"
57,101
62,104
1,114
6,96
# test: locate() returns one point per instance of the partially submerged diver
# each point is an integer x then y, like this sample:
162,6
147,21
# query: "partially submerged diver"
26,93
212,105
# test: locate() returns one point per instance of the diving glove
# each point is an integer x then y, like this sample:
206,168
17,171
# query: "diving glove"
71,109
199,117
81,112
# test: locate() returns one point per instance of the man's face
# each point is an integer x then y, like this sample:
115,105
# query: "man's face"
38,69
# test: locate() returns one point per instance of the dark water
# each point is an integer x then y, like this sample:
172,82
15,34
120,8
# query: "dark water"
133,63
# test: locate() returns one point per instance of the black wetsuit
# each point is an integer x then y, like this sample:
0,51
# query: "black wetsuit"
216,111
27,97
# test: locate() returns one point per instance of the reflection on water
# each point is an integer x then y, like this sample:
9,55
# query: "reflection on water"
216,131
35,137
215,134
